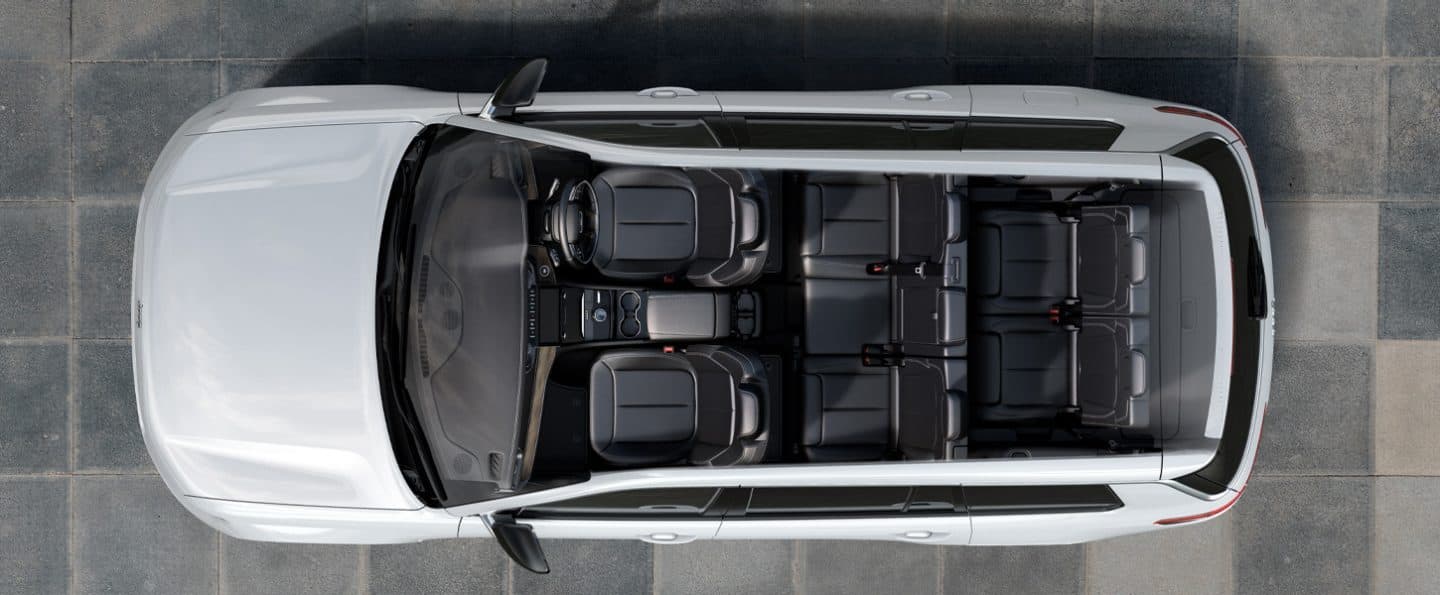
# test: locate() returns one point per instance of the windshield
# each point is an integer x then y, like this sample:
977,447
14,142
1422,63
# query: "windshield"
458,360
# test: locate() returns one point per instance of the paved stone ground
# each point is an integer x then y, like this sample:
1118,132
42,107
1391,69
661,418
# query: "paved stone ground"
1339,101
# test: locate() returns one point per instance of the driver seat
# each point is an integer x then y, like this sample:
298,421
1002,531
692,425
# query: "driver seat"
657,222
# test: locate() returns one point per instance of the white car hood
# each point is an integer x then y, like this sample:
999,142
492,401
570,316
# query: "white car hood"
256,365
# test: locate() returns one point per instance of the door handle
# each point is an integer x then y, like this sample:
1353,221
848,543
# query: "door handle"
921,535
663,538
667,92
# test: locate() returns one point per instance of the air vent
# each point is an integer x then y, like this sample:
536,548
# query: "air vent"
423,343
497,464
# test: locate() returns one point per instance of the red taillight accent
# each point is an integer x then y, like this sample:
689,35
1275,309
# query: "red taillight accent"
1204,515
1185,111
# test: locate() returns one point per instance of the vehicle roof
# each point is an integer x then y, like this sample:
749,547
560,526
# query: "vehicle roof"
255,349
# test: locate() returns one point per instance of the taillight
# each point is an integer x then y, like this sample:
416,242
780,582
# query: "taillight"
1204,515
1185,111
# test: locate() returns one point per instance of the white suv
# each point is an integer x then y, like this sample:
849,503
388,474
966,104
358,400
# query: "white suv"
954,314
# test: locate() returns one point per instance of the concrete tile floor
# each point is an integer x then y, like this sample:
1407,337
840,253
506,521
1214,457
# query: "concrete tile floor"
1337,98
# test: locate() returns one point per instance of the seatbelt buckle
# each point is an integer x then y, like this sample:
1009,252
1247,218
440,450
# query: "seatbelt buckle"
885,355
877,268
1066,313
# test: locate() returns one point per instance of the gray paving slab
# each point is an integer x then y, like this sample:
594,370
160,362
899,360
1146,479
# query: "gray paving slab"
437,28
1127,28
1407,535
593,29
1319,417
312,29
1303,535
740,72
132,536
834,75
590,566
145,29
34,270
865,29
600,75
239,75
31,30
33,540
107,429
1406,386
868,567
696,28
106,234
1177,561
725,568
1325,278
258,568
34,382
1023,71
1318,28
1414,131
1409,251
445,75
1412,28
124,113
1030,28
1000,570
34,140
1207,83
1311,126
461,566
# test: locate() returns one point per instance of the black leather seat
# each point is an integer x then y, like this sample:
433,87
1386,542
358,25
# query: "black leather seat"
705,406
1112,268
1026,369
653,222
847,227
864,413
1023,261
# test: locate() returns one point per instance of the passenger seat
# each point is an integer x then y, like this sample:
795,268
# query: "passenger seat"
846,227
703,406
1027,369
855,412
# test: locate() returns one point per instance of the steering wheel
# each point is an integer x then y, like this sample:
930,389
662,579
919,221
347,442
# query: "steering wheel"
580,221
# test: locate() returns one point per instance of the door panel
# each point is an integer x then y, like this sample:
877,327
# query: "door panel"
651,530
951,529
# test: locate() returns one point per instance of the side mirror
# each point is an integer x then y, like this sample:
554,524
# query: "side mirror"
519,542
517,90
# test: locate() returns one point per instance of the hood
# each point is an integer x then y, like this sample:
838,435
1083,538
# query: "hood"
255,358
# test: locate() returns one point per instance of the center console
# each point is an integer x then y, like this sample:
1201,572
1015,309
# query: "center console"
569,315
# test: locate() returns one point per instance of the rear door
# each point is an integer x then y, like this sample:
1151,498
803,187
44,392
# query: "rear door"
659,515
922,514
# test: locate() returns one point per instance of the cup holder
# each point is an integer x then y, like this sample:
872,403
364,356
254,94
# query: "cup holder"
630,314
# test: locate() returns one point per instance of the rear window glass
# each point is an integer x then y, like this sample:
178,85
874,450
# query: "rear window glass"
1041,135
767,133
828,501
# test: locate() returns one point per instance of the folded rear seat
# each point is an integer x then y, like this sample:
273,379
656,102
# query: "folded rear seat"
1111,378
864,413
1112,260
